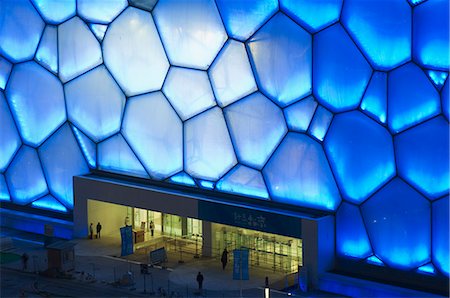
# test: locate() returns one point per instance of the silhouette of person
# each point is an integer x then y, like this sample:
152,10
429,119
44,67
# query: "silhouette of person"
200,280
151,225
91,231
24,261
99,228
224,258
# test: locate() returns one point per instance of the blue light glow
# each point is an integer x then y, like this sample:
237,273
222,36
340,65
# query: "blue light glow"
160,150
231,74
427,269
243,18
9,137
284,77
430,172
256,126
374,102
61,165
374,261
440,244
189,91
298,174
47,53
437,77
362,160
87,146
36,100
208,150
445,100
49,203
313,15
97,11
299,115
127,46
182,178
20,31
320,123
56,11
114,155
192,31
398,221
99,30
4,193
412,98
206,184
340,71
5,70
25,178
95,103
355,244
244,180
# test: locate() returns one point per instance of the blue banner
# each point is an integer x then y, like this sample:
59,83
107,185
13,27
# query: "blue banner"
127,240
240,264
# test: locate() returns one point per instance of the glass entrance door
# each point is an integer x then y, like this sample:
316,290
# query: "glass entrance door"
172,225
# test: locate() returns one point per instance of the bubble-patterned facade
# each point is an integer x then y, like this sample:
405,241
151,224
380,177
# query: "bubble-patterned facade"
345,112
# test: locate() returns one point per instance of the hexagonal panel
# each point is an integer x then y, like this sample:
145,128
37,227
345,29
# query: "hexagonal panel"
440,244
340,71
78,49
382,29
374,102
5,70
192,31
97,11
155,133
36,99
20,31
281,54
431,34
26,181
299,115
4,193
134,53
256,126
256,13
95,103
244,181
313,15
189,91
231,74
298,174
47,53
9,137
208,150
411,98
56,11
362,160
60,165
49,203
423,157
351,236
398,220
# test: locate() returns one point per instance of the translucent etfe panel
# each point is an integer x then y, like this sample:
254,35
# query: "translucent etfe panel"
415,2
231,74
5,70
206,184
320,123
55,11
340,71
299,115
9,137
20,30
351,235
281,54
49,203
192,31
244,181
134,54
25,178
440,234
243,18
182,178
78,49
36,99
99,30
256,126
87,146
155,133
144,4
189,91
47,53
374,261
298,174
95,103
398,220
313,15
445,100
437,77
208,151
99,11
362,160
430,172
427,269
412,98
381,28
114,155
4,193
61,165
374,102
431,34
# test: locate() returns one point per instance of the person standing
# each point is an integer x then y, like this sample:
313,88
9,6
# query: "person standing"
200,280
224,258
91,231
99,228
151,226
24,261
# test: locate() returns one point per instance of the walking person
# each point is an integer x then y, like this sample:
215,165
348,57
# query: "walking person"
151,226
24,261
91,231
99,228
224,258
200,280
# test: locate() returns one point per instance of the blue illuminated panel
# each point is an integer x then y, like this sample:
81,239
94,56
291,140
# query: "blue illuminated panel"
49,203
182,178
5,70
9,137
362,160
99,30
97,11
445,100
256,126
47,53
4,193
374,261
398,220
283,76
427,269
56,11
374,102
299,115
430,172
206,184
245,181
437,77
320,123
440,245
87,146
